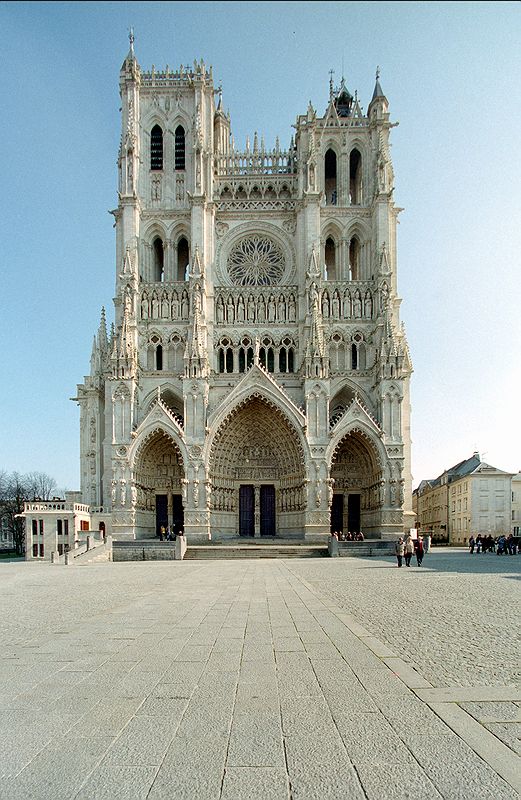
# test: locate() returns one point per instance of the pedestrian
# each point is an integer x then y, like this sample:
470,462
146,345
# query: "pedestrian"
478,544
426,543
161,533
472,543
409,550
419,551
399,550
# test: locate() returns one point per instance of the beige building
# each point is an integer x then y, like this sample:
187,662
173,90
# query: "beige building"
516,505
471,497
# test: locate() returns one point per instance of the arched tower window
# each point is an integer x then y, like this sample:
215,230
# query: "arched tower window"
179,148
358,352
354,356
225,355
159,357
159,260
354,259
330,259
330,177
183,259
355,178
156,148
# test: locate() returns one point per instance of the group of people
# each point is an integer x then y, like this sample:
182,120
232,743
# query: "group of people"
167,534
406,548
503,545
348,537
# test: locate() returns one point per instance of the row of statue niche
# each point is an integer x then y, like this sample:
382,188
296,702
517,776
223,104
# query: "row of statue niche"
348,306
256,309
292,498
223,499
123,494
165,305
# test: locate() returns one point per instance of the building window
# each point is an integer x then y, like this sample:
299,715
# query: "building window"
330,178
354,260
159,259
179,152
355,178
183,259
330,259
159,357
156,148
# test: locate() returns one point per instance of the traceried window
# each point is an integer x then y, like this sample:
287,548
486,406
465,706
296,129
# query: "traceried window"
179,149
156,148
256,261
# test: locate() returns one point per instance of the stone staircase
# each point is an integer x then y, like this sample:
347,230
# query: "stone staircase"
277,548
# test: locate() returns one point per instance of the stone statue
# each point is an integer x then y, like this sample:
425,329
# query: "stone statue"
230,311
251,309
175,306
220,310
271,309
292,310
184,306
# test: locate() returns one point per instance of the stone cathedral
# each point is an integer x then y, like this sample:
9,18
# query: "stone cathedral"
256,379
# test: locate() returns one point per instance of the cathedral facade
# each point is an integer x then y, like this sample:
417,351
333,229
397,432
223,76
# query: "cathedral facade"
256,379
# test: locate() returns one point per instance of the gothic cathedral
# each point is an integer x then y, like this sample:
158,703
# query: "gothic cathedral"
256,379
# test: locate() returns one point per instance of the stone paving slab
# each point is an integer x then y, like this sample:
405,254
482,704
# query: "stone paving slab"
244,679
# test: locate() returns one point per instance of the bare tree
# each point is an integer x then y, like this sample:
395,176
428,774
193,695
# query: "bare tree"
15,490
40,485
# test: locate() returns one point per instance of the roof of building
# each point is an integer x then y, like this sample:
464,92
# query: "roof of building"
469,466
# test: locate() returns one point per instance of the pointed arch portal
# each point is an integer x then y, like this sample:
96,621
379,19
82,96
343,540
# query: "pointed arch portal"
357,479
159,475
257,472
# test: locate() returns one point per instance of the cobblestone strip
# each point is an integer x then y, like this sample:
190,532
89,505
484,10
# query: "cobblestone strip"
406,713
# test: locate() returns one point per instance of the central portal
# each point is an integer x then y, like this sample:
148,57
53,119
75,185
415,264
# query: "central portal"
257,510
257,474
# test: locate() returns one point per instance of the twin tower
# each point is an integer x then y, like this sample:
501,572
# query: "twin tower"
256,380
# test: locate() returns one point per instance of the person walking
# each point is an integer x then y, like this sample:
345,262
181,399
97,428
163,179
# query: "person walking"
399,550
472,543
409,550
426,543
419,551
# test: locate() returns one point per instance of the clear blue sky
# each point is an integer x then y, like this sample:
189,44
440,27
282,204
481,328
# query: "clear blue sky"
451,73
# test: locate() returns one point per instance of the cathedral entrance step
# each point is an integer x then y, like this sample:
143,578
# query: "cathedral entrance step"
255,550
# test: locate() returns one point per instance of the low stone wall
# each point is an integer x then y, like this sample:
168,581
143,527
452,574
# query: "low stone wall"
146,550
366,549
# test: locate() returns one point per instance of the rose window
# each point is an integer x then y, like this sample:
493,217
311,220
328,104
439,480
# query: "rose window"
256,261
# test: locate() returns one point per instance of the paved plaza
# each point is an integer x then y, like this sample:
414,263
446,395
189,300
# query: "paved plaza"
261,680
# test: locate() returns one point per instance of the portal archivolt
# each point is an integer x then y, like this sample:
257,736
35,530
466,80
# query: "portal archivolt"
357,484
257,447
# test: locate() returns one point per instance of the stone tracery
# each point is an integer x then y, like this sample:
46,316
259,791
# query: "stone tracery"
256,261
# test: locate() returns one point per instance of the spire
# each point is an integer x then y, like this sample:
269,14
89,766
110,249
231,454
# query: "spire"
331,90
219,109
197,270
102,332
195,357
314,269
130,61
377,89
317,365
